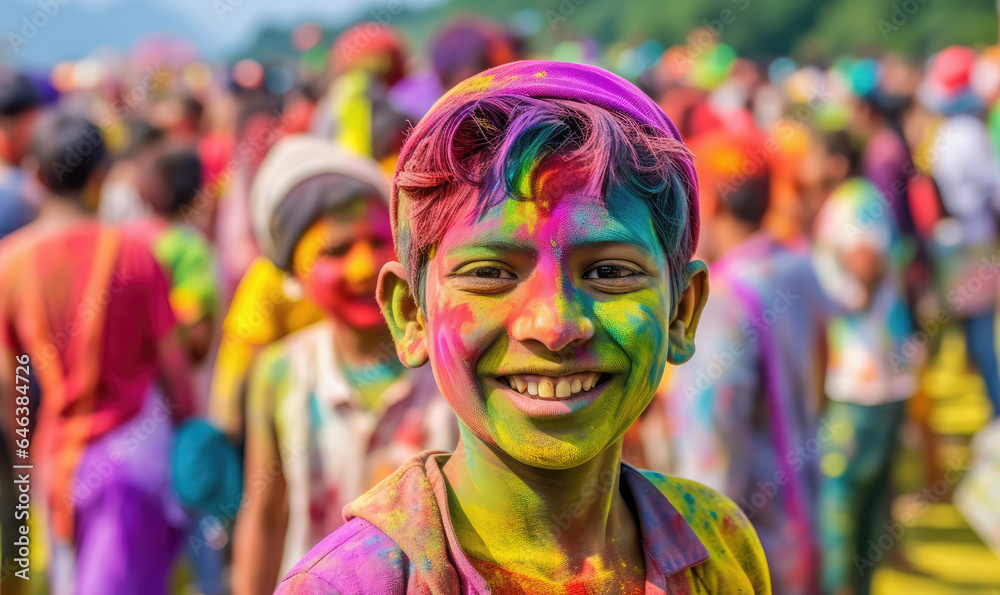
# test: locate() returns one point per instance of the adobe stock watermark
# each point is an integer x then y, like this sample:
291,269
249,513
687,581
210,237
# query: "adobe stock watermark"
562,13
796,459
589,493
366,32
122,106
224,7
885,203
709,32
247,150
752,330
919,341
86,311
31,25
892,533
88,481
759,158
255,485
900,15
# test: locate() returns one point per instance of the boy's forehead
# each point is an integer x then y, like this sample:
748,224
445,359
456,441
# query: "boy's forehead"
565,221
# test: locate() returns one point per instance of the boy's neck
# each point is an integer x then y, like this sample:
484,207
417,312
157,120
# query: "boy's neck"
542,523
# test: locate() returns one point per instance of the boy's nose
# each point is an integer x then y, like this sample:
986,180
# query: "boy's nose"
552,316
360,265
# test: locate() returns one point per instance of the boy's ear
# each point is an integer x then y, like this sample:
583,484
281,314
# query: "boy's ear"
402,315
687,313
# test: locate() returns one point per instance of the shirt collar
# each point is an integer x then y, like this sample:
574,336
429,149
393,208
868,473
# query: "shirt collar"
670,542
418,486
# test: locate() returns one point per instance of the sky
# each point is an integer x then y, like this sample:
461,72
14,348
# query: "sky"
71,29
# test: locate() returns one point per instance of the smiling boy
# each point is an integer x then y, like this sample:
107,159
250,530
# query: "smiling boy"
544,216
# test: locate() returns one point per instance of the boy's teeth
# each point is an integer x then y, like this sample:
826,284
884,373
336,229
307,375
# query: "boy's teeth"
553,388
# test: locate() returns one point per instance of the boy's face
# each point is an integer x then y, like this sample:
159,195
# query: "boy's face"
338,258
547,320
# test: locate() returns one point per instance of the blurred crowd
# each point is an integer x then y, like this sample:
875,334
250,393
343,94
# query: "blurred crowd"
189,255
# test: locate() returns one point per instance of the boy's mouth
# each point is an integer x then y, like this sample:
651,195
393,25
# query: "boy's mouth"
553,388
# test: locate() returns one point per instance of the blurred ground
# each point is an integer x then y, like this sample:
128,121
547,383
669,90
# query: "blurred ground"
938,553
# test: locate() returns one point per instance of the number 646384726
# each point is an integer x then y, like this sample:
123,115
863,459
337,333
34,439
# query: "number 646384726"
22,411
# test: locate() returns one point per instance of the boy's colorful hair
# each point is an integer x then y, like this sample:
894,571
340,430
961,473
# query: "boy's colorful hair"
480,143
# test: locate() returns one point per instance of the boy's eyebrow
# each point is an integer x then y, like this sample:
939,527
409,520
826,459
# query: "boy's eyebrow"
492,245
618,235
605,236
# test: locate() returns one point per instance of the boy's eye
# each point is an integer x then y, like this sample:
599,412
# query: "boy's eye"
608,271
491,273
485,278
616,278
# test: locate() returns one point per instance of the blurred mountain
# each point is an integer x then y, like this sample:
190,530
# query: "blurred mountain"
231,29
763,28
221,29
760,27
74,31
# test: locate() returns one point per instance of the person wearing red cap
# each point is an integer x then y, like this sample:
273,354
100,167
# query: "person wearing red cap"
366,61
544,216
966,169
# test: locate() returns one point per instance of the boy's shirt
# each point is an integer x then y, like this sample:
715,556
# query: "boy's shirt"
332,447
870,362
743,410
399,538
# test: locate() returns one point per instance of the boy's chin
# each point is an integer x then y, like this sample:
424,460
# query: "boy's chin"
561,440
554,454
555,450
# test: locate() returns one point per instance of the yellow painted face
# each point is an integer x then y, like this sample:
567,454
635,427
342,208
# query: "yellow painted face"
338,259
